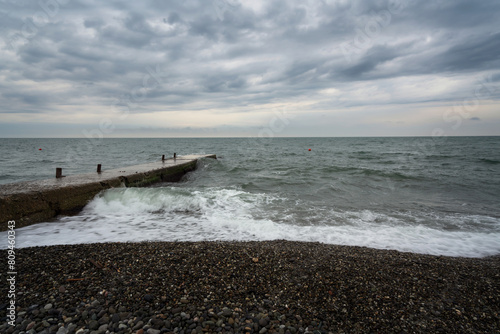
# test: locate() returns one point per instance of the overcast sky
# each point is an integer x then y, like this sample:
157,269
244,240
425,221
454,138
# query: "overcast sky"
76,68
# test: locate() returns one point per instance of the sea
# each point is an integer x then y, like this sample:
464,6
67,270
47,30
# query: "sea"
428,195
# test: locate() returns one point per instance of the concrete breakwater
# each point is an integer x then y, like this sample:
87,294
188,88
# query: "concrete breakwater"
35,201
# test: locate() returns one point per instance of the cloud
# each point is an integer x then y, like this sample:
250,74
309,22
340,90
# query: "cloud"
84,58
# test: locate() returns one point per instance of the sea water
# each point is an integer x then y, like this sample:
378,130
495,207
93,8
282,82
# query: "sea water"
426,195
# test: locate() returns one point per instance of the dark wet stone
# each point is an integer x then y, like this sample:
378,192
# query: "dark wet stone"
115,318
93,325
138,325
263,322
176,310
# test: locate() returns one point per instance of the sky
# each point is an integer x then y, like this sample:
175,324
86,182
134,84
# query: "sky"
231,68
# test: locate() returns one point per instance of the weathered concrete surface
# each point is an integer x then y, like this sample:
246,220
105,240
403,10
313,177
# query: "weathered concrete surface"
36,201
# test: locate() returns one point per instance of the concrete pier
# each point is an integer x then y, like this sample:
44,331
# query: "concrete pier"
36,201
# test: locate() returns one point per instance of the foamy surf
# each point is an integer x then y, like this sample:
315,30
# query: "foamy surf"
227,214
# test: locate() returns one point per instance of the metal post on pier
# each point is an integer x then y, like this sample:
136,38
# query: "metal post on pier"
98,168
58,173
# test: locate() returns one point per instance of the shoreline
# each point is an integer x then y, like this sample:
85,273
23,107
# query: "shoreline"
255,286
37,201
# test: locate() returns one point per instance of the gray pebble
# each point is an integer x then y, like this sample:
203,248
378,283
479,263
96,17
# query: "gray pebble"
115,318
93,325
71,328
153,331
138,325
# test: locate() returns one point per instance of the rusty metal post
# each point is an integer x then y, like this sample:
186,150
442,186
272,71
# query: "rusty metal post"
58,173
175,155
99,168
163,157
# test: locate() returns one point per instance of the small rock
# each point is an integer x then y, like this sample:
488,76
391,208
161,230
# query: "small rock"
115,318
93,325
62,330
32,307
48,307
71,328
176,310
149,298
138,325
24,324
153,331
158,323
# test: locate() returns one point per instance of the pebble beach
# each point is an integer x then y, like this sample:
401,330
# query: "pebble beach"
249,287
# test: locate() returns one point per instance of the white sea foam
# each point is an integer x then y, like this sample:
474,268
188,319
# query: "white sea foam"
169,214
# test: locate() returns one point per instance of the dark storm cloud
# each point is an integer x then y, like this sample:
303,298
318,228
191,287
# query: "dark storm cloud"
228,53
173,18
475,53
218,84
93,23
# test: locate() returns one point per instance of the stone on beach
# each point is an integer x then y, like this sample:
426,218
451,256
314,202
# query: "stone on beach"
294,287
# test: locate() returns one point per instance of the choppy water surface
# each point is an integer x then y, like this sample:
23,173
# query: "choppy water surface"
411,194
